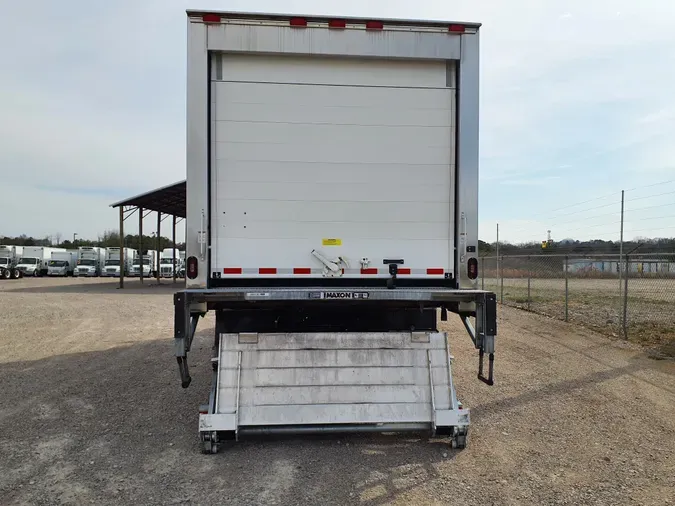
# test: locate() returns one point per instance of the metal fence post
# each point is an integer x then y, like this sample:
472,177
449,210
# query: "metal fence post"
501,276
529,281
482,270
567,295
625,299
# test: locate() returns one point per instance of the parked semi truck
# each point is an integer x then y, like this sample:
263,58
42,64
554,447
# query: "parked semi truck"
167,263
62,263
91,260
35,259
332,221
112,262
150,261
9,255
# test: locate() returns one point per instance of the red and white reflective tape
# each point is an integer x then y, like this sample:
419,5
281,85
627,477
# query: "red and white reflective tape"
215,18
308,271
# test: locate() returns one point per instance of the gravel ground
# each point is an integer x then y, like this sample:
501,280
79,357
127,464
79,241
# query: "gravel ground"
92,412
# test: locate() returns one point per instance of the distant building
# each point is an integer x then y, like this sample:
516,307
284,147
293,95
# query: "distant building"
611,266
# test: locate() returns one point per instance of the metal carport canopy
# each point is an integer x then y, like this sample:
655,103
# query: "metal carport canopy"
168,201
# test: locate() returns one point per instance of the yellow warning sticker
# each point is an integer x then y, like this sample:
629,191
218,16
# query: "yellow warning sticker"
332,242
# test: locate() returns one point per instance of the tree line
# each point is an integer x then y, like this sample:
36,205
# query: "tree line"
109,238
574,247
565,247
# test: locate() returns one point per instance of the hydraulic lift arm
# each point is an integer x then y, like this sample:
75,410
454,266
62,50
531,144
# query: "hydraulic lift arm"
185,326
483,336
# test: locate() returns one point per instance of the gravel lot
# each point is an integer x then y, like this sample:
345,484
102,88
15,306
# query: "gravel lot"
92,412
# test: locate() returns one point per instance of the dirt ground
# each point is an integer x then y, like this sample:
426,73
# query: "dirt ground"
91,411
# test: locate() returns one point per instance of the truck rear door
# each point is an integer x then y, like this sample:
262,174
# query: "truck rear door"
353,158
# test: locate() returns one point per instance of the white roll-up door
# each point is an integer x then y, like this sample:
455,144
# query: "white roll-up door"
351,158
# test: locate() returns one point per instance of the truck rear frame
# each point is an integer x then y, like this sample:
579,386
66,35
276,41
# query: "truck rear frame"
261,314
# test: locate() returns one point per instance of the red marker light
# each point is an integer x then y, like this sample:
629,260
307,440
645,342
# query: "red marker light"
374,25
211,18
192,269
298,22
472,268
337,23
457,28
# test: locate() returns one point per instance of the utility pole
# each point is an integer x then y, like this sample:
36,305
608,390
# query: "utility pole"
497,242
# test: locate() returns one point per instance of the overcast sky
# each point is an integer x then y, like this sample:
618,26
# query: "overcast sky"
577,102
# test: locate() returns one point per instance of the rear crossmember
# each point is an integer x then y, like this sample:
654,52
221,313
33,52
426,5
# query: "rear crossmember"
255,313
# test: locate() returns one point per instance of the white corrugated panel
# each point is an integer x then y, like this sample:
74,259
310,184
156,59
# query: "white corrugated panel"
307,149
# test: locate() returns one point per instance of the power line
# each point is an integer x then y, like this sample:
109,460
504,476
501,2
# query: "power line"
612,194
615,203
557,224
567,231
607,205
650,196
651,185
649,207
584,202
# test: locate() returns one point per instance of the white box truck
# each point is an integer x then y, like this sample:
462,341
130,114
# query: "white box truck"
112,262
332,220
167,262
9,254
150,262
35,259
62,263
90,261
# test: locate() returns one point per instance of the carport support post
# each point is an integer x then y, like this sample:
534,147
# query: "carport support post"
121,246
173,239
158,244
140,240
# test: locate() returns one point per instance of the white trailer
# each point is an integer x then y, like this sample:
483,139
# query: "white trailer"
9,254
332,213
112,262
35,259
91,260
62,263
168,263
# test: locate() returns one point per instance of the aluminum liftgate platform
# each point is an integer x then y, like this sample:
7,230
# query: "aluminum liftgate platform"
300,382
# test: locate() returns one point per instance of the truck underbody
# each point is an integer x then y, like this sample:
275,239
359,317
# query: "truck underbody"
10,273
344,359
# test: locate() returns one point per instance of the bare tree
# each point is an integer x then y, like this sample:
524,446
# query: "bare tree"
58,237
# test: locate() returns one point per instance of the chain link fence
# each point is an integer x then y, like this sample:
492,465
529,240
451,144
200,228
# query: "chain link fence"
632,296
